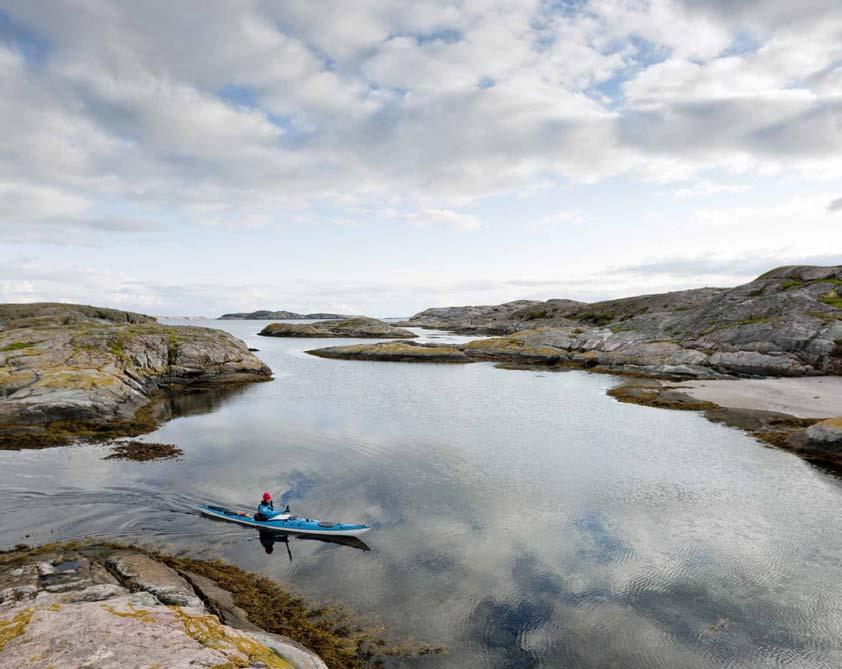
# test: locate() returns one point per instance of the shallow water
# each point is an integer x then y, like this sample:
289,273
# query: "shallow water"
523,519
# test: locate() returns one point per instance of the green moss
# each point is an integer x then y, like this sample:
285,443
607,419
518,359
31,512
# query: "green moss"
789,284
17,346
595,318
115,345
832,299
12,628
826,316
758,320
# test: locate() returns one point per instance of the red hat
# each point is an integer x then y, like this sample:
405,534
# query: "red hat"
267,497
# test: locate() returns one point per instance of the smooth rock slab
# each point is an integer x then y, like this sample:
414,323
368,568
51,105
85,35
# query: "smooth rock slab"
119,634
141,572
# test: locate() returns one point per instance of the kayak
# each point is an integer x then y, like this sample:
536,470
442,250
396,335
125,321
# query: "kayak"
286,523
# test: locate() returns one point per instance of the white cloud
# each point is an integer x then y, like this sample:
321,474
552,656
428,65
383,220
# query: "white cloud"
264,117
564,218
446,217
431,102
704,187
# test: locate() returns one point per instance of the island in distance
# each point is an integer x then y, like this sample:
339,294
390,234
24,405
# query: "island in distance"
360,327
266,315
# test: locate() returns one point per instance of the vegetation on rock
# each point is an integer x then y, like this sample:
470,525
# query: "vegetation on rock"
784,323
142,451
191,606
98,373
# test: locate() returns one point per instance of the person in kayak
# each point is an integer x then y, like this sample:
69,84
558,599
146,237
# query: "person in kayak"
266,510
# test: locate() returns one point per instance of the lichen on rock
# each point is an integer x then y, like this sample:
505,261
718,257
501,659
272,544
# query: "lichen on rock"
91,372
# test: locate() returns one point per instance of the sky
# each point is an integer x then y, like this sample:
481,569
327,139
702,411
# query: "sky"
382,157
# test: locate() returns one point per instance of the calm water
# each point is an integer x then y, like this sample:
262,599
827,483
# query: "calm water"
524,519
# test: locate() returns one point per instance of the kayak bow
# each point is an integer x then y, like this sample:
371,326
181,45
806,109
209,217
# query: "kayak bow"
286,523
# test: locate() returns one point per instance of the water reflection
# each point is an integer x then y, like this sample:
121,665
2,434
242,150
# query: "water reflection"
521,520
269,539
189,401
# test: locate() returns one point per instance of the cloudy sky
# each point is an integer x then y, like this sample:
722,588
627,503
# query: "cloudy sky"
385,156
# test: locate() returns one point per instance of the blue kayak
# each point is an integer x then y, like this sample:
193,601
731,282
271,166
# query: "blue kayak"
286,523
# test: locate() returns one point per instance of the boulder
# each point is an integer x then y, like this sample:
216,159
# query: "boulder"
141,572
827,432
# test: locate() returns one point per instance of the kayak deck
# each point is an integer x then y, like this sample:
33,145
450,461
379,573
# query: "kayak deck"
288,524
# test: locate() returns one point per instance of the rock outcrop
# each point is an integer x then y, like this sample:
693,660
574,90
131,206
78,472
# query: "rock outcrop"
398,351
558,313
820,442
103,606
351,328
787,322
71,369
266,315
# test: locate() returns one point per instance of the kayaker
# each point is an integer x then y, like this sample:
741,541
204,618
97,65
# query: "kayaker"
266,509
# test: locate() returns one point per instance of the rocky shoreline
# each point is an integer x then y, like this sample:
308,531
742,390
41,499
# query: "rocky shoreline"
72,371
101,604
822,443
69,604
787,322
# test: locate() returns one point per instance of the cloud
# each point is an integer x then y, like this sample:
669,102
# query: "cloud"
703,267
444,217
704,188
132,121
564,218
430,102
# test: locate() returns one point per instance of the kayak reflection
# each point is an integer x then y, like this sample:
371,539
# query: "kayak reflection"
269,539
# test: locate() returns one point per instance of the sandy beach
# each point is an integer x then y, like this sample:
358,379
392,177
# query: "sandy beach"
806,397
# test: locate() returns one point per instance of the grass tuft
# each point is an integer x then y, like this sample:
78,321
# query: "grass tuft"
832,299
17,346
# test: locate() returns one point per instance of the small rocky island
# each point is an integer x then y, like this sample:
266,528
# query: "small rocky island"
71,371
351,328
267,315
